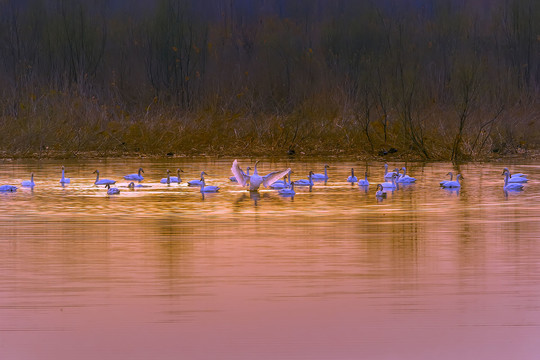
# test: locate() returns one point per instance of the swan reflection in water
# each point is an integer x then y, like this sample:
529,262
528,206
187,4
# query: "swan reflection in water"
452,191
254,196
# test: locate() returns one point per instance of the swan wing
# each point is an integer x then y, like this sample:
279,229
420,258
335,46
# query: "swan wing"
241,177
274,176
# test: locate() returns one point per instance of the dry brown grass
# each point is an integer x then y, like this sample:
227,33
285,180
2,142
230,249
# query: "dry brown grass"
71,125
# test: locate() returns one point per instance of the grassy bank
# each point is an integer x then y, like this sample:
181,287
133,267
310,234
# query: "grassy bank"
63,125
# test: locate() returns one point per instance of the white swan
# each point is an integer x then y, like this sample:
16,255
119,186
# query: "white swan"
137,176
445,181
388,184
380,193
8,188
514,178
166,180
364,181
405,178
172,179
132,186
29,183
521,175
102,181
112,191
282,184
388,174
321,176
197,182
63,179
287,191
453,184
177,178
508,186
352,178
304,182
233,178
209,188
255,180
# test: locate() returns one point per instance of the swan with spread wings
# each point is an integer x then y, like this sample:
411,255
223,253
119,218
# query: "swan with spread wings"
255,180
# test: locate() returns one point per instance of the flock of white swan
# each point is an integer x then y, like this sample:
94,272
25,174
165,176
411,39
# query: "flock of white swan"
281,180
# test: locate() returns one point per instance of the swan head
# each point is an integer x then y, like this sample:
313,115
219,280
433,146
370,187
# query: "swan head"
131,185
326,166
505,171
179,170
96,172
168,171
379,186
141,170
63,167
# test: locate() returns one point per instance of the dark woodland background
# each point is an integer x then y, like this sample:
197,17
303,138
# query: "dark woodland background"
434,79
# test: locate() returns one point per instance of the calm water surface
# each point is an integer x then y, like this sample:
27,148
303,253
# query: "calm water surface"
160,273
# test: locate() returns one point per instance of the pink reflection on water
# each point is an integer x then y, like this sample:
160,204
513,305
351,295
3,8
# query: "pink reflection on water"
331,275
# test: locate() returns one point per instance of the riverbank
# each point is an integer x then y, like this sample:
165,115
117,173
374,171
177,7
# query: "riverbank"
337,154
